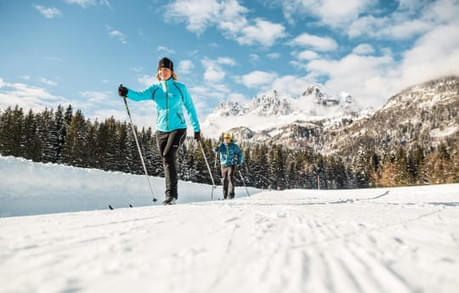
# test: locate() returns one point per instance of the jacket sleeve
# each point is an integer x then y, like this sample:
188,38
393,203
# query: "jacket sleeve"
240,156
218,148
142,95
191,111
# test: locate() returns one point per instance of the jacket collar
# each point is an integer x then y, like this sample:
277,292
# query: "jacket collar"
163,83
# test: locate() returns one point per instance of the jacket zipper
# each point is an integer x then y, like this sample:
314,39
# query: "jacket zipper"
227,152
167,106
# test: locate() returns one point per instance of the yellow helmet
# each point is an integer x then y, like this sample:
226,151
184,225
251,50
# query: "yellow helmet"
227,135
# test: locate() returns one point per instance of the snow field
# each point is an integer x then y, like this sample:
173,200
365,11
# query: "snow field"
404,240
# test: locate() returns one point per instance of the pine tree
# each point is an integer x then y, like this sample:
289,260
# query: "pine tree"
30,141
402,177
59,133
74,152
11,132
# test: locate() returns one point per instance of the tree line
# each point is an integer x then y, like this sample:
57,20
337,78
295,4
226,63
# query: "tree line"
66,136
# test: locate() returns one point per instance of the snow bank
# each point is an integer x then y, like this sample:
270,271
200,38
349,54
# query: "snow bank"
28,188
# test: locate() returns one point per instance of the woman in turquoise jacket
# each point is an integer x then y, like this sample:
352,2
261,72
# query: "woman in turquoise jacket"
170,98
230,157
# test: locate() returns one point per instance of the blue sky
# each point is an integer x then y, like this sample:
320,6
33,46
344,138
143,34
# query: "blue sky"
78,51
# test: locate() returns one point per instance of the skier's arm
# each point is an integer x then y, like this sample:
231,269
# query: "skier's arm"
142,95
240,156
189,106
217,148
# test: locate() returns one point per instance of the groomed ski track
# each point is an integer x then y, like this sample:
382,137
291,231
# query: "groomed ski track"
404,240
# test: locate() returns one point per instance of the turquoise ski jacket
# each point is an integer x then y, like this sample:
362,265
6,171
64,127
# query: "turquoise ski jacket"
170,96
228,152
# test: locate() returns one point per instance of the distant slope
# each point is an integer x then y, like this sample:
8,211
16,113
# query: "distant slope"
29,188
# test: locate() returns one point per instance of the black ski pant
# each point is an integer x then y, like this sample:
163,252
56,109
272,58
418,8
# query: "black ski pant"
228,181
168,144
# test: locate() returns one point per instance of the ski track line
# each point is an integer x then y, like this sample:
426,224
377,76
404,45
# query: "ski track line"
355,233
368,267
369,263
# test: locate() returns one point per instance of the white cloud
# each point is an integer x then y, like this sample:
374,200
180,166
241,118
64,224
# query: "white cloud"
226,61
363,49
208,94
137,69
411,19
257,78
25,77
291,85
119,35
442,11
95,96
198,13
185,67
230,17
165,50
213,71
273,55
147,80
306,55
262,32
298,64
388,27
254,58
328,12
47,81
86,3
434,54
48,12
316,42
27,96
411,5
237,97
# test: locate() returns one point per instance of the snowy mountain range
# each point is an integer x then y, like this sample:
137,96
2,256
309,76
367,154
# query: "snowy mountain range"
425,114
273,110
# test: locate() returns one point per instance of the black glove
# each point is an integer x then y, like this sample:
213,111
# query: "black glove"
197,136
122,91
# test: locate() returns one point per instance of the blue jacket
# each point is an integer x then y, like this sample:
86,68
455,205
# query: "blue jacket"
169,96
228,153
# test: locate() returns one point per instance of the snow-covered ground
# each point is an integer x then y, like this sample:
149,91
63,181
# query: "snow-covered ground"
28,188
372,240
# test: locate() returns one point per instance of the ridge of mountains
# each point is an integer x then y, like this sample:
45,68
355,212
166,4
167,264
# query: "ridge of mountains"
424,114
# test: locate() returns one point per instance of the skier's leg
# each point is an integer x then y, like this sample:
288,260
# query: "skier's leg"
231,182
177,139
171,158
225,181
162,139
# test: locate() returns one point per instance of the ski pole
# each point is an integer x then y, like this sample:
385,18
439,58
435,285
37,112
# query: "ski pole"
243,181
138,148
210,171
